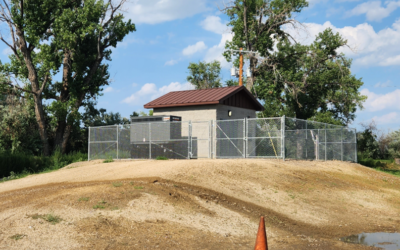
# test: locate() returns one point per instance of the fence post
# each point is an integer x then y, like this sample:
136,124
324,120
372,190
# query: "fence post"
189,138
149,140
341,144
355,137
326,148
283,129
117,142
212,139
306,144
89,146
244,137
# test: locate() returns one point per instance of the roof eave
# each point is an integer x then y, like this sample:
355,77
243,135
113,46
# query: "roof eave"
180,105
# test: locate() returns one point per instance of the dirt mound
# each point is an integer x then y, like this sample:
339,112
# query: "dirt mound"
204,204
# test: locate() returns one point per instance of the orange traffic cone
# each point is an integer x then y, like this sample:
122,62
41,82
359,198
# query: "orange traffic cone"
261,241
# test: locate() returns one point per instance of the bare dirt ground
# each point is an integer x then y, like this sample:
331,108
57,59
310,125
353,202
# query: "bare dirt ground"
197,204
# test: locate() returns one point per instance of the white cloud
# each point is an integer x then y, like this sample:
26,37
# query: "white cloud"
171,62
367,47
192,49
158,11
391,118
149,92
215,52
7,51
108,90
214,24
378,102
373,10
383,84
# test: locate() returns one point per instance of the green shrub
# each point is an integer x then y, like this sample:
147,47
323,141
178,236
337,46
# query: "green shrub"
16,165
108,160
161,158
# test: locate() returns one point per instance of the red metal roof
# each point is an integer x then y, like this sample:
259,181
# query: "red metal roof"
200,97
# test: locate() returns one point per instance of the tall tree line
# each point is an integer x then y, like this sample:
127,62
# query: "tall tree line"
71,37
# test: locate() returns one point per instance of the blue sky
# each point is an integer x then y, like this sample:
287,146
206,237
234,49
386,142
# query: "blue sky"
171,33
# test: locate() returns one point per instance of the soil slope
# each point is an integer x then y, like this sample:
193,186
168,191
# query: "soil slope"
197,204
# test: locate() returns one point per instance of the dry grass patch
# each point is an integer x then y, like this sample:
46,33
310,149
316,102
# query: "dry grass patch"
17,236
51,218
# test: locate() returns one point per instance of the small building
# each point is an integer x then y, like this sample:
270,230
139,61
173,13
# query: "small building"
207,104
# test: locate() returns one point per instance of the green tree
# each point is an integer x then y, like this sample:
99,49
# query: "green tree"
205,75
367,142
74,37
311,79
18,128
231,83
304,81
101,117
256,24
394,145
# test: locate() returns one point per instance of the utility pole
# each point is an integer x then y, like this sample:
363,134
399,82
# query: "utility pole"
233,70
241,67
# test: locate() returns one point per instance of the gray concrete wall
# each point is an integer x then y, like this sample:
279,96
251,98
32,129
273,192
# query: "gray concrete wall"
190,113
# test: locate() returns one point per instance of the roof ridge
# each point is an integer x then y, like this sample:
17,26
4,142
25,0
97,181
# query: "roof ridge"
203,89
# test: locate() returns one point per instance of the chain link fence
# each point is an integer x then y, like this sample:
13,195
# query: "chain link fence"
280,138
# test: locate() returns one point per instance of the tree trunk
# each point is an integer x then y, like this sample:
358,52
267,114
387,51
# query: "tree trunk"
59,138
61,131
37,96
40,118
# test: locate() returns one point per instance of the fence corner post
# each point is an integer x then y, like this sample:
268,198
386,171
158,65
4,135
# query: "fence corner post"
117,142
189,140
283,129
245,132
355,137
89,146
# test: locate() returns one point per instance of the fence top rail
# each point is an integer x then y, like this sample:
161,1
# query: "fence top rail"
267,118
107,126
322,129
310,122
332,127
230,120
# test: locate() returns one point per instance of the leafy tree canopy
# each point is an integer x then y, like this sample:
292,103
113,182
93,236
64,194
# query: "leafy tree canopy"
205,75
303,81
68,37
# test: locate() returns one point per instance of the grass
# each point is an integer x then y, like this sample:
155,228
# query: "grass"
108,160
162,158
138,187
117,184
84,199
51,218
100,205
19,165
17,236
387,166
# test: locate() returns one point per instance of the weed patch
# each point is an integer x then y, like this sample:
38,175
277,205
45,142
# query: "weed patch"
108,160
98,206
138,187
84,199
51,218
162,158
17,236
117,184
19,165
